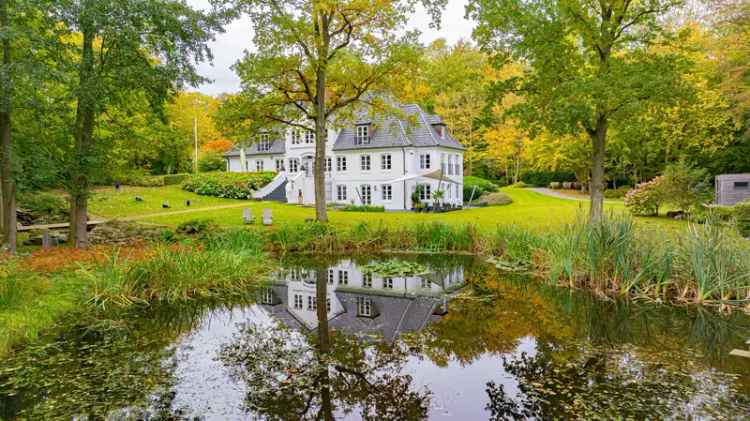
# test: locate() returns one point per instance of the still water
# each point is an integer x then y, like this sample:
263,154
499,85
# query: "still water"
348,338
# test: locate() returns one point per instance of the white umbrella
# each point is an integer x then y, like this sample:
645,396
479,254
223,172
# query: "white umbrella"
243,166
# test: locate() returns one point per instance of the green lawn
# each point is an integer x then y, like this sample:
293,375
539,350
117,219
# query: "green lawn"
529,208
107,203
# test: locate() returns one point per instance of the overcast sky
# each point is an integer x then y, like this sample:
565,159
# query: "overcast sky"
228,47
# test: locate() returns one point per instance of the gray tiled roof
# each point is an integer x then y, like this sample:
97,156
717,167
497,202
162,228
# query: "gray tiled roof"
278,146
392,132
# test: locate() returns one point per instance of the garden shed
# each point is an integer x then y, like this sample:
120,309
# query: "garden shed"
732,189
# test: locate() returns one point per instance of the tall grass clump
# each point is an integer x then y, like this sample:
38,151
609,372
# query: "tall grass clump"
515,244
715,265
16,285
179,274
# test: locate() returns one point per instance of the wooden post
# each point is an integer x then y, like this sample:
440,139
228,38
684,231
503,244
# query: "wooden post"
46,240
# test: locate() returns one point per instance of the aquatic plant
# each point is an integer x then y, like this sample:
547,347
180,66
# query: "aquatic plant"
394,267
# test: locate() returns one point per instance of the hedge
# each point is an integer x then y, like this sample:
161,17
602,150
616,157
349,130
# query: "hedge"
229,185
741,213
544,178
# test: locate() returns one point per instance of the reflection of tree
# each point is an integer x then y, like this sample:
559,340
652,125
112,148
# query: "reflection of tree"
290,376
593,384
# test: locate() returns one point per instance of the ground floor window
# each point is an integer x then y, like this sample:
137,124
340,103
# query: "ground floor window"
293,165
341,193
425,192
330,276
259,165
279,165
366,193
387,192
267,296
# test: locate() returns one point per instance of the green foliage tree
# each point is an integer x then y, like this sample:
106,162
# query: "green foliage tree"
589,65
112,60
314,60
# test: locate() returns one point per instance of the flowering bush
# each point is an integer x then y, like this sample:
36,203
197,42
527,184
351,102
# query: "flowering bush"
646,198
228,184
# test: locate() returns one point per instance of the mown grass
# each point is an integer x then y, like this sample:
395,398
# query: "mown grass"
529,209
108,203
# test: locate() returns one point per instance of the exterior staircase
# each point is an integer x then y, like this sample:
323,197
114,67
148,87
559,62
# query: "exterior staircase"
275,190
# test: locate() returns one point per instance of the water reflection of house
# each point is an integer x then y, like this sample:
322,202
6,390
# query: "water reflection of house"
362,303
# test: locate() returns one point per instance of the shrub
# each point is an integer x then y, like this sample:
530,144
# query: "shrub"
365,208
617,193
219,145
741,214
139,179
196,226
496,199
212,161
172,179
44,208
685,186
482,186
227,184
544,178
646,198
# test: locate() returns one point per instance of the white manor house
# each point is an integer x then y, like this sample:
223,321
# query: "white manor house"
378,162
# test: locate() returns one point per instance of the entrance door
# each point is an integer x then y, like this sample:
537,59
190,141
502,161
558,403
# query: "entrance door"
366,191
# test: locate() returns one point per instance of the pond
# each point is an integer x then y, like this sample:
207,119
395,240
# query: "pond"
389,337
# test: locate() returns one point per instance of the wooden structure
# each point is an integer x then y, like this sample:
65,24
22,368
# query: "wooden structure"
741,352
60,226
732,189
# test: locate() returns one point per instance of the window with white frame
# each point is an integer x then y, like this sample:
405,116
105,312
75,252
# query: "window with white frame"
443,163
385,161
331,276
298,301
424,161
328,305
366,194
457,165
388,283
264,144
266,296
367,280
312,303
364,162
279,165
329,164
309,137
450,164
364,306
387,190
425,284
293,164
343,277
340,163
296,137
341,193
259,165
425,192
362,135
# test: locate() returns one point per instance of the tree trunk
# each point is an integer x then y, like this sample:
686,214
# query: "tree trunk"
598,141
7,186
84,135
323,43
324,344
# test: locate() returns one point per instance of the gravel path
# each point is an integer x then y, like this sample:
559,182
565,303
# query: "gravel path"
555,193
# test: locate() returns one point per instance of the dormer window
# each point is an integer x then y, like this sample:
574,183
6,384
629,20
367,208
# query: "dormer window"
264,144
362,134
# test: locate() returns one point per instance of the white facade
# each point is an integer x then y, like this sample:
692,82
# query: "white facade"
376,174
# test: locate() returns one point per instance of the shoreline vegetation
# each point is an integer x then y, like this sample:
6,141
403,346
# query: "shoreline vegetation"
706,264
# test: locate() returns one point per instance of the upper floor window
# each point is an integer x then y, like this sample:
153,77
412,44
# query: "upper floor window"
385,161
309,137
264,144
424,161
457,165
340,163
298,301
331,276
296,137
329,164
367,280
388,283
450,164
365,162
312,303
364,306
362,135
343,277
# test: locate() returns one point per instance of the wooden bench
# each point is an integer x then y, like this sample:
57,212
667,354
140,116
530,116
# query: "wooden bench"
60,226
